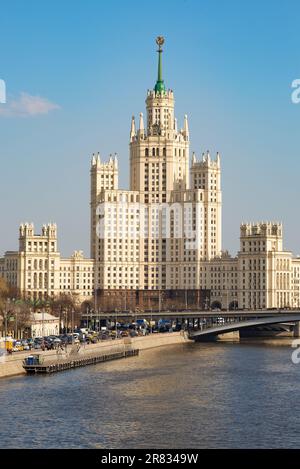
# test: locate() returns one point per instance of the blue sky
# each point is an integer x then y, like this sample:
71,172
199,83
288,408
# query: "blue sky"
75,73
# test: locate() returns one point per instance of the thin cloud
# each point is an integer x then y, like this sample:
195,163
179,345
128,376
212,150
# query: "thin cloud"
27,105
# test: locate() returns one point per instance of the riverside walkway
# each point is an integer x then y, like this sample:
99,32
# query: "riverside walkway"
13,365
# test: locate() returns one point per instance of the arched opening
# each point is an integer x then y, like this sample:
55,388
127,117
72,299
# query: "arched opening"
216,305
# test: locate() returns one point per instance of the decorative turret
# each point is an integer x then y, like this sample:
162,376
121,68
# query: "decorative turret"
95,161
116,160
132,129
160,86
206,161
186,128
175,125
160,104
142,127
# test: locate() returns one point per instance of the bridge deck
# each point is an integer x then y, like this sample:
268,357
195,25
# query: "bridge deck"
237,325
191,314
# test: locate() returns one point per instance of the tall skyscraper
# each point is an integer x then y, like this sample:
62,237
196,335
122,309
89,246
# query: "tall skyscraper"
154,237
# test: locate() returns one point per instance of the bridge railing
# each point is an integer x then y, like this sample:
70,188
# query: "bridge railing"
214,322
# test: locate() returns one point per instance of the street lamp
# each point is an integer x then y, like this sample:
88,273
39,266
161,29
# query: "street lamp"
43,325
5,329
95,299
87,317
116,328
99,321
72,325
16,324
5,323
60,316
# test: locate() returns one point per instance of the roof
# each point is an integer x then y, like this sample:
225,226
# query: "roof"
44,316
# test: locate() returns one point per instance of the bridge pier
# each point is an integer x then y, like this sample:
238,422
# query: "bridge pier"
233,336
297,329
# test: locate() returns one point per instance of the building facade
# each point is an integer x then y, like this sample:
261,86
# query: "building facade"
44,325
262,275
38,270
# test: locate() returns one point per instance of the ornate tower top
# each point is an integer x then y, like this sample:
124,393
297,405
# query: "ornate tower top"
160,86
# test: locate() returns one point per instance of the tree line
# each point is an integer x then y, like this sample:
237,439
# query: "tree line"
16,310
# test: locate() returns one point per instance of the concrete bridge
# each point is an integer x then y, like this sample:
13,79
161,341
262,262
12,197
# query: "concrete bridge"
208,324
209,329
188,314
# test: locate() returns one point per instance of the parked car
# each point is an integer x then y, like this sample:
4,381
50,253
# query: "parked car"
164,325
103,336
25,345
220,320
17,346
142,323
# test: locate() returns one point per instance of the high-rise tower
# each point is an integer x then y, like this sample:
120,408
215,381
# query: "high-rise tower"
155,237
159,152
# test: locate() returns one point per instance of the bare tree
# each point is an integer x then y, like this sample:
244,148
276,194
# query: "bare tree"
66,307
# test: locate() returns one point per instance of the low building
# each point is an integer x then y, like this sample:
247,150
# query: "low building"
39,271
43,325
262,275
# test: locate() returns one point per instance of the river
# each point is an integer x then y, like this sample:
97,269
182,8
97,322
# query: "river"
224,395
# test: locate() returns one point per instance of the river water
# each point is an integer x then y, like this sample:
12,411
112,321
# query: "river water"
224,395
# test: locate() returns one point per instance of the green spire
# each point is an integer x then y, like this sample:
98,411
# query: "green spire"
159,86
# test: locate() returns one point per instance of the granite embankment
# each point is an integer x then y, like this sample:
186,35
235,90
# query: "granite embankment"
12,365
